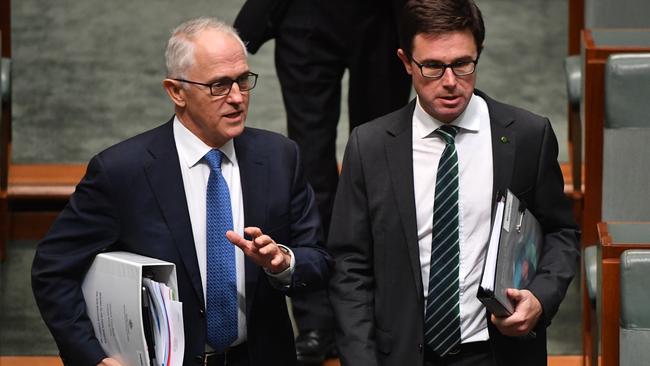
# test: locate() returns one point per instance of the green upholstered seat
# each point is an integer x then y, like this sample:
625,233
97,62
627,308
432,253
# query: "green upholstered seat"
634,336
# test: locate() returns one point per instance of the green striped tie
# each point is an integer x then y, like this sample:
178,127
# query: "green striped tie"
442,315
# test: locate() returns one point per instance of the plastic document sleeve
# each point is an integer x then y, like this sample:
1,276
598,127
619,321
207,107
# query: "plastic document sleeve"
512,255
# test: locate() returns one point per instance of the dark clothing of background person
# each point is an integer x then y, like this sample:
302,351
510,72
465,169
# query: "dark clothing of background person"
315,42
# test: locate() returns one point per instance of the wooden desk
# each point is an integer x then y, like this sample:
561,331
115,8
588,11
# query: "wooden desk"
36,195
598,44
614,239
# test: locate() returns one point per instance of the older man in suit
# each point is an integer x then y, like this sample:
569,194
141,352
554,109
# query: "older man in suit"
412,214
229,205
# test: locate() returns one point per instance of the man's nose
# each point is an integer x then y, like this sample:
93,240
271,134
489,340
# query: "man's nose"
448,77
235,95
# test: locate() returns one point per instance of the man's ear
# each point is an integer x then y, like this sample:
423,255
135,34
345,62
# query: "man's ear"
405,61
175,91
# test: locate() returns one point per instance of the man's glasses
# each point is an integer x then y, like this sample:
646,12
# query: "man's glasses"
222,87
436,70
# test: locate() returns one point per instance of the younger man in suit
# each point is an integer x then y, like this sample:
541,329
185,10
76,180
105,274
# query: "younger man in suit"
206,193
413,210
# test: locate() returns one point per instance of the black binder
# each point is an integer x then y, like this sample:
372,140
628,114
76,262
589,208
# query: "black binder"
512,255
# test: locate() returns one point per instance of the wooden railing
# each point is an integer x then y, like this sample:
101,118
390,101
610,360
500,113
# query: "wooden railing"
613,244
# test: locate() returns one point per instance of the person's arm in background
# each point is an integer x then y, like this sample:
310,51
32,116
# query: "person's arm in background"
258,21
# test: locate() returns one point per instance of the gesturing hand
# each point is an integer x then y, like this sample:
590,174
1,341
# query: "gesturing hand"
262,249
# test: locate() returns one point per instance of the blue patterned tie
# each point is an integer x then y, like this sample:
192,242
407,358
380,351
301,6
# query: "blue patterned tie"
442,316
222,276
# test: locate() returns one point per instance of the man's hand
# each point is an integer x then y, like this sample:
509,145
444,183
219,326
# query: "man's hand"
262,249
527,312
109,362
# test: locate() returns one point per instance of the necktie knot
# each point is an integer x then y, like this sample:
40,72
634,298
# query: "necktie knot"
213,158
448,133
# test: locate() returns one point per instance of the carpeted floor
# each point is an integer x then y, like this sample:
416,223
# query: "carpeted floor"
23,332
87,74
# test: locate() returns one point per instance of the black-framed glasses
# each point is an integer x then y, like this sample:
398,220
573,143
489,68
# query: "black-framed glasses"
434,70
222,87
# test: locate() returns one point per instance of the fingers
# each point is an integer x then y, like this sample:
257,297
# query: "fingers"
524,318
514,295
253,231
236,239
262,249
109,362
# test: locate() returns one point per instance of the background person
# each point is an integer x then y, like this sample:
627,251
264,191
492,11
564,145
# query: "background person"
316,41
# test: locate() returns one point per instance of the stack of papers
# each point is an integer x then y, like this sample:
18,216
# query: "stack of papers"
166,322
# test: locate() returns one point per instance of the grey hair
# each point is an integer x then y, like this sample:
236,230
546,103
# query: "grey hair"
179,55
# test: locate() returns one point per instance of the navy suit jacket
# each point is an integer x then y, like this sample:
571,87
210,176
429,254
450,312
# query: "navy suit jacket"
376,288
132,198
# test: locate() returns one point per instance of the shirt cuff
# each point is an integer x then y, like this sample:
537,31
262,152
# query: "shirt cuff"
283,279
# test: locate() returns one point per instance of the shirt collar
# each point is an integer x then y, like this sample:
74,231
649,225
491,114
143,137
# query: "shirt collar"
424,124
192,149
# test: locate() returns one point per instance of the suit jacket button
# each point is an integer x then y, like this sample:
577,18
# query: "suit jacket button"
202,312
198,358
420,348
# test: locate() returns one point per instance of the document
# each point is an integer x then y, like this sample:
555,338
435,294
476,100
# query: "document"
132,301
512,255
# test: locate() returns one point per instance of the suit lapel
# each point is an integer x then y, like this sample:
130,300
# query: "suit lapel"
399,152
166,183
253,170
503,146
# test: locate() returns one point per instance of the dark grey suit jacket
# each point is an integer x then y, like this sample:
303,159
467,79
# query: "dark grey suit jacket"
132,198
376,289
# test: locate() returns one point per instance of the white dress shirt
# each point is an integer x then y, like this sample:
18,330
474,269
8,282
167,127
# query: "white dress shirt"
474,149
195,172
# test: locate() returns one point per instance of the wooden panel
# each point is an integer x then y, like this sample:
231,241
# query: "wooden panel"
576,24
30,361
36,194
30,225
609,296
43,181
5,27
589,324
60,174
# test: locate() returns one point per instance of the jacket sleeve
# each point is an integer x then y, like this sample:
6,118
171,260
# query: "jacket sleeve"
350,243
258,21
87,226
312,262
560,250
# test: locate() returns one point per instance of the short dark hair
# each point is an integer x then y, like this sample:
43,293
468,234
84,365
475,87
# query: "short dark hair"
438,17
